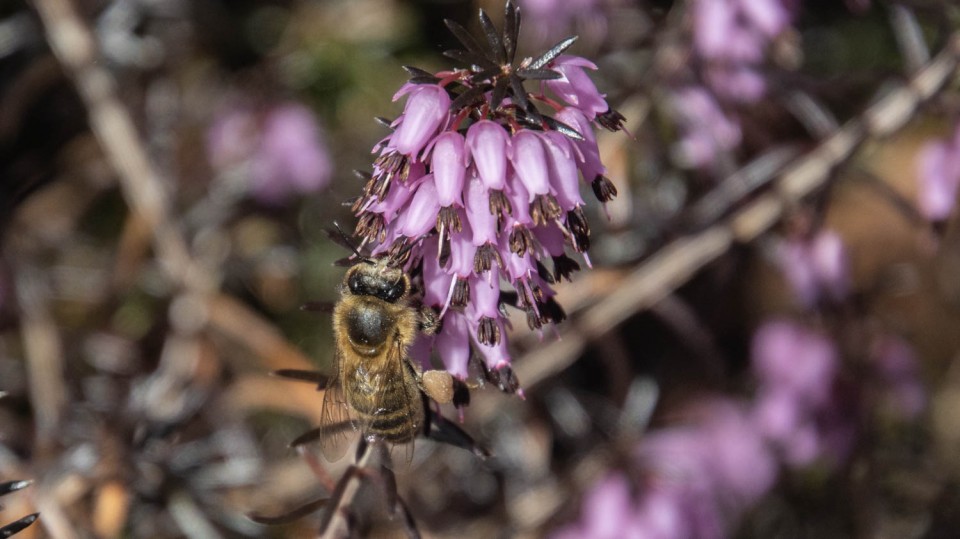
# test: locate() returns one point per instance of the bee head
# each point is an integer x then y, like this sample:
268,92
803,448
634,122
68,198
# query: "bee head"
377,279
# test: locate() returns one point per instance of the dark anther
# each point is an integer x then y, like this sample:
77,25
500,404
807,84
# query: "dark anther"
488,332
544,209
521,240
611,120
579,228
461,293
564,266
448,219
486,255
604,189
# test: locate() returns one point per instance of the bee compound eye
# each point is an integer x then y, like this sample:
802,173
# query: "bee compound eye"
355,283
395,291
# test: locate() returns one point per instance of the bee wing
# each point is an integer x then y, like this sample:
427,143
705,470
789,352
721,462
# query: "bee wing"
410,404
336,420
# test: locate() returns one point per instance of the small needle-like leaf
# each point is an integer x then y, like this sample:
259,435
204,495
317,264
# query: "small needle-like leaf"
561,127
469,97
519,92
511,30
416,72
554,51
464,37
496,45
499,92
470,58
14,527
539,74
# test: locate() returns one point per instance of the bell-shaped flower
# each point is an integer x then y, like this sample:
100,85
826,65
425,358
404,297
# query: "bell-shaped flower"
483,223
436,281
530,163
426,109
462,251
449,167
563,170
488,144
453,344
575,87
519,200
421,214
589,155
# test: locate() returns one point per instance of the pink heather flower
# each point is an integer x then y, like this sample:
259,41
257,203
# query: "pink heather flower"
449,168
732,36
698,480
472,178
938,172
816,268
789,356
575,87
488,143
800,407
609,512
282,150
706,130
425,111
530,162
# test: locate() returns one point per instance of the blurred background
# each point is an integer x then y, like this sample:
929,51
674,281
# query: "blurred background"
765,346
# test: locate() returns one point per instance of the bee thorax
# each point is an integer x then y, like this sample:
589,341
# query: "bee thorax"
368,327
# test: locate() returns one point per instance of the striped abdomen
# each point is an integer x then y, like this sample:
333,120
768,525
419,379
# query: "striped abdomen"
387,407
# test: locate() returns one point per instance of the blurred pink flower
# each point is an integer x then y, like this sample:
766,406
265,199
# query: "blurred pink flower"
816,268
733,37
800,405
551,20
609,512
281,150
938,171
698,480
706,130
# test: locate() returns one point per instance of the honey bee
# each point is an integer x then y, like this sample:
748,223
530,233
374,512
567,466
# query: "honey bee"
376,388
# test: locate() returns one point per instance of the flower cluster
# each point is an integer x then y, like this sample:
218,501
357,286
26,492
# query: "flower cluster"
699,478
732,36
280,152
799,407
939,176
476,185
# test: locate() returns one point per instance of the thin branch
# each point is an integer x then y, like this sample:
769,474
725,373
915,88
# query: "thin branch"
74,45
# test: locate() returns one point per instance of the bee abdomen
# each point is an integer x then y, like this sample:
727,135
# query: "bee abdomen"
394,426
385,414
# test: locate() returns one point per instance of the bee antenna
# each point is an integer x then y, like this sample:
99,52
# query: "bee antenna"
343,239
400,254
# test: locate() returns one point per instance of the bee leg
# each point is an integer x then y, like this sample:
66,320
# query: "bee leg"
429,321
447,432
339,504
395,503
289,516
313,377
